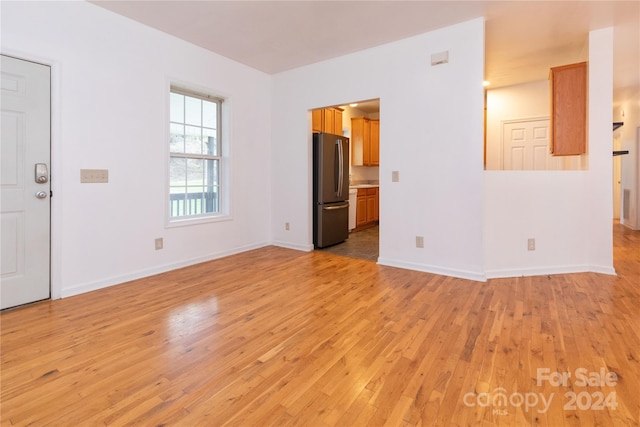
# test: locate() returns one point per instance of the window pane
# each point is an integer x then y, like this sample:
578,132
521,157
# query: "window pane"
195,203
209,114
177,201
177,172
212,173
193,142
177,108
212,185
176,138
195,172
212,200
210,143
193,110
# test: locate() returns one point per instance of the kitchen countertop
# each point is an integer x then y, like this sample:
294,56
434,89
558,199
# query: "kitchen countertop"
364,186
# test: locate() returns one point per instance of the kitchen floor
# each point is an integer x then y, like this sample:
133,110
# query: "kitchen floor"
361,244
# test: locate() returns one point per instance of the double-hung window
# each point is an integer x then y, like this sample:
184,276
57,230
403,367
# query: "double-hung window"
195,157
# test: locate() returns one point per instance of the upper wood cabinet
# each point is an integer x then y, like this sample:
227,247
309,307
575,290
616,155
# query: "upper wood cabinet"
365,142
333,120
568,109
375,143
328,120
316,120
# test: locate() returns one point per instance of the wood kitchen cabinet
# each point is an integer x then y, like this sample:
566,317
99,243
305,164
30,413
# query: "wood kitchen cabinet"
365,142
361,208
328,120
568,86
375,143
316,120
371,208
367,207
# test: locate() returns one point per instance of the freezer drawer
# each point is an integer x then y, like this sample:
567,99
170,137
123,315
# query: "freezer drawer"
331,224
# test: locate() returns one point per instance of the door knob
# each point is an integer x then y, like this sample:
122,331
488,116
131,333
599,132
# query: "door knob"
41,194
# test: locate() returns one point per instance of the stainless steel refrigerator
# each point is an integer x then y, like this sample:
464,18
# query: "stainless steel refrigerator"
330,189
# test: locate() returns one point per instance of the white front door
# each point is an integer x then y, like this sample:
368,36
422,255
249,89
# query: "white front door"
526,146
24,182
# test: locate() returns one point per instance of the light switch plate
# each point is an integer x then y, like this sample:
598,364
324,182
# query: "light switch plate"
531,244
395,176
100,176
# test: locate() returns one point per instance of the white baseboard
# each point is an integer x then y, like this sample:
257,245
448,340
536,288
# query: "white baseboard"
544,271
289,245
116,280
603,270
628,225
461,274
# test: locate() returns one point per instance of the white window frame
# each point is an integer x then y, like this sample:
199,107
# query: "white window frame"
224,186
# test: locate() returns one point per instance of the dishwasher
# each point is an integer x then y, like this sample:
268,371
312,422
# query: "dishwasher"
353,201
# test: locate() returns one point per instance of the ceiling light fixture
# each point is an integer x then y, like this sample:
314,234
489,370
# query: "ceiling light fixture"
486,83
353,105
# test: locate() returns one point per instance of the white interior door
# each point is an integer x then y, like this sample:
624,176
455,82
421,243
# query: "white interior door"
24,182
526,146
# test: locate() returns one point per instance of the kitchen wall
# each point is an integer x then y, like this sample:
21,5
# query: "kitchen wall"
364,174
431,133
109,110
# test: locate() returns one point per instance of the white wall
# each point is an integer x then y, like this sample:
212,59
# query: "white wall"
599,178
569,213
431,132
110,97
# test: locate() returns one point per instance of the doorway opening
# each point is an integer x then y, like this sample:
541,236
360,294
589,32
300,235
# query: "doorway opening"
360,122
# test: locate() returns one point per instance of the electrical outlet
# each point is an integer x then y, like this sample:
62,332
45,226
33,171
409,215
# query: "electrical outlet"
286,226
94,176
531,244
419,242
159,243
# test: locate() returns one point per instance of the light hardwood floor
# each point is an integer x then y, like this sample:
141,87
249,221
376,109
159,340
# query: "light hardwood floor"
279,337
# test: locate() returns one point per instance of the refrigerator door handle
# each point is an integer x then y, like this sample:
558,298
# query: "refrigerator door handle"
340,166
333,208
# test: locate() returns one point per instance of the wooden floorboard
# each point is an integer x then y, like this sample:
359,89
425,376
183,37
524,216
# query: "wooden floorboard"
280,337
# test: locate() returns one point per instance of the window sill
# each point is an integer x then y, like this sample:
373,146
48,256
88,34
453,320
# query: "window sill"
184,222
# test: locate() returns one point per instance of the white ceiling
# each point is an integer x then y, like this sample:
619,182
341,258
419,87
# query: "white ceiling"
523,38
